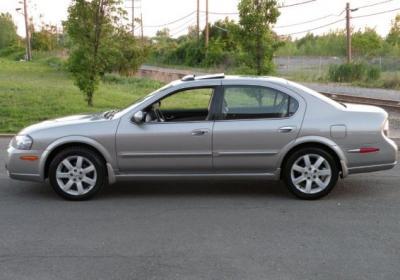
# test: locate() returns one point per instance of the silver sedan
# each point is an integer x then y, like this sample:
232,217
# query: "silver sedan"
209,127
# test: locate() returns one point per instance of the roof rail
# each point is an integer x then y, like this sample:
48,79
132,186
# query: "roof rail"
212,76
193,77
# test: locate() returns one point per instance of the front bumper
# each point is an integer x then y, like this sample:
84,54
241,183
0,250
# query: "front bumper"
23,169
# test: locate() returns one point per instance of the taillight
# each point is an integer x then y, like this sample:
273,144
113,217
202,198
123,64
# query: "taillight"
386,128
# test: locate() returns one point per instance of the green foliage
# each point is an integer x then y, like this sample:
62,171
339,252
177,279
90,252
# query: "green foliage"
8,31
393,37
258,40
99,43
373,73
224,47
350,72
14,52
366,43
125,53
248,46
34,91
46,39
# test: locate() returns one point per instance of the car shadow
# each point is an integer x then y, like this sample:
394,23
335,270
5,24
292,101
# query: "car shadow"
190,188
345,190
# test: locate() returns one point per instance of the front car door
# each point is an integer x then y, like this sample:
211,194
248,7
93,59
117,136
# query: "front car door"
175,137
255,123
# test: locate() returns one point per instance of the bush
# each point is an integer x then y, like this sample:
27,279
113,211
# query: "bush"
373,73
351,72
392,82
14,52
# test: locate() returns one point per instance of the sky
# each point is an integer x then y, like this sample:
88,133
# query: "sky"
159,12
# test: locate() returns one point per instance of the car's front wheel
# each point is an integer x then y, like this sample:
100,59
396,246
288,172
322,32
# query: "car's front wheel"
311,173
77,173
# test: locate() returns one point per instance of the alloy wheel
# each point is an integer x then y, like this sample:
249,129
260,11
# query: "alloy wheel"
76,175
311,173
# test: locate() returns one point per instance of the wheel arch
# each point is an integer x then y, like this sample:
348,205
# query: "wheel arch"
66,142
317,142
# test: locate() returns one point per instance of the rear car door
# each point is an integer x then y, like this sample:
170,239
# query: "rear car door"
254,124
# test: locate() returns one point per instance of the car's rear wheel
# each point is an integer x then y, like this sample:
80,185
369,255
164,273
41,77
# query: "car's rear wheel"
311,173
77,173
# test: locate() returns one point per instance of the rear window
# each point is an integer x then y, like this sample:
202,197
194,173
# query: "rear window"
256,102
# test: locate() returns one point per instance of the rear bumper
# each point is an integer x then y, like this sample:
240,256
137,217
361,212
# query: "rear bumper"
371,168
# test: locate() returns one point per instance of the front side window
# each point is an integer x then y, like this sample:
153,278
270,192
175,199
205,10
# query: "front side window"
255,102
186,105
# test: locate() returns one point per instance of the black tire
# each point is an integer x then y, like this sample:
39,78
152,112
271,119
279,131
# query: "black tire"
296,157
89,155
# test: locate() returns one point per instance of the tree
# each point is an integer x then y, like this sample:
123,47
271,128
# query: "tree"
259,42
98,42
8,31
393,37
367,43
46,39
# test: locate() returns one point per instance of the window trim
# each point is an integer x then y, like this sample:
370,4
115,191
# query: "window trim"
219,115
212,114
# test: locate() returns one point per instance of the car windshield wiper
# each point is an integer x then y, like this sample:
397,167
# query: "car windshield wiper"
110,114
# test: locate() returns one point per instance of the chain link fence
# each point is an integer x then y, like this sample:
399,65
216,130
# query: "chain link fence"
285,65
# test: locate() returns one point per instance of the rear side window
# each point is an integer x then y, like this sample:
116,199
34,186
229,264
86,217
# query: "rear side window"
255,102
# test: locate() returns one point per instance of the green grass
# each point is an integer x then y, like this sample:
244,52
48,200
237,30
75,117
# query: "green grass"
31,92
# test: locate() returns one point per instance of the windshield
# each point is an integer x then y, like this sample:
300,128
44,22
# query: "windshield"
141,100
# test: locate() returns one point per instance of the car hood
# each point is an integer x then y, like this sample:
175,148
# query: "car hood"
64,121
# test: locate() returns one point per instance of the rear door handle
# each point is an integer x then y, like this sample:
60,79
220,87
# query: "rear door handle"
286,129
199,132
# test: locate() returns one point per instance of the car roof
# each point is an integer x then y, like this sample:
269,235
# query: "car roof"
222,76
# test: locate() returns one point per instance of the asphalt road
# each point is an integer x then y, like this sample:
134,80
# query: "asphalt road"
202,230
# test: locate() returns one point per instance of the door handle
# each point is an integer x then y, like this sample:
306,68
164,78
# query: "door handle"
199,132
286,129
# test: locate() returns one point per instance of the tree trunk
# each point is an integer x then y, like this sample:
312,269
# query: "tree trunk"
259,53
96,45
89,98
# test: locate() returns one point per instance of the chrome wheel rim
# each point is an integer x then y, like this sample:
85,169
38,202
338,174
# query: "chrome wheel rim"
76,175
311,173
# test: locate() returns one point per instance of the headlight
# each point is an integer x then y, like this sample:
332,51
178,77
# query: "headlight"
22,142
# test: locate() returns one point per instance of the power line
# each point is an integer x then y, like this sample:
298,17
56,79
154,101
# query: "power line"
374,4
171,22
309,21
279,7
315,28
185,24
221,13
378,13
296,4
183,29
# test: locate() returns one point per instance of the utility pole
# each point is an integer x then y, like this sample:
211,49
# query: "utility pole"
348,33
133,18
207,30
198,20
141,25
28,35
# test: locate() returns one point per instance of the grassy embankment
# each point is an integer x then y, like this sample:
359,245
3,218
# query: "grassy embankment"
35,91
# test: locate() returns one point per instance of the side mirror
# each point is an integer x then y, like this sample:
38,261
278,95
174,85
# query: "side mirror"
138,117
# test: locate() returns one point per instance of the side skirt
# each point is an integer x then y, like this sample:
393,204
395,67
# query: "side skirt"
196,176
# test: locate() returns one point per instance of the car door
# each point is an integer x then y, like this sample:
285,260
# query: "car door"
255,123
182,142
